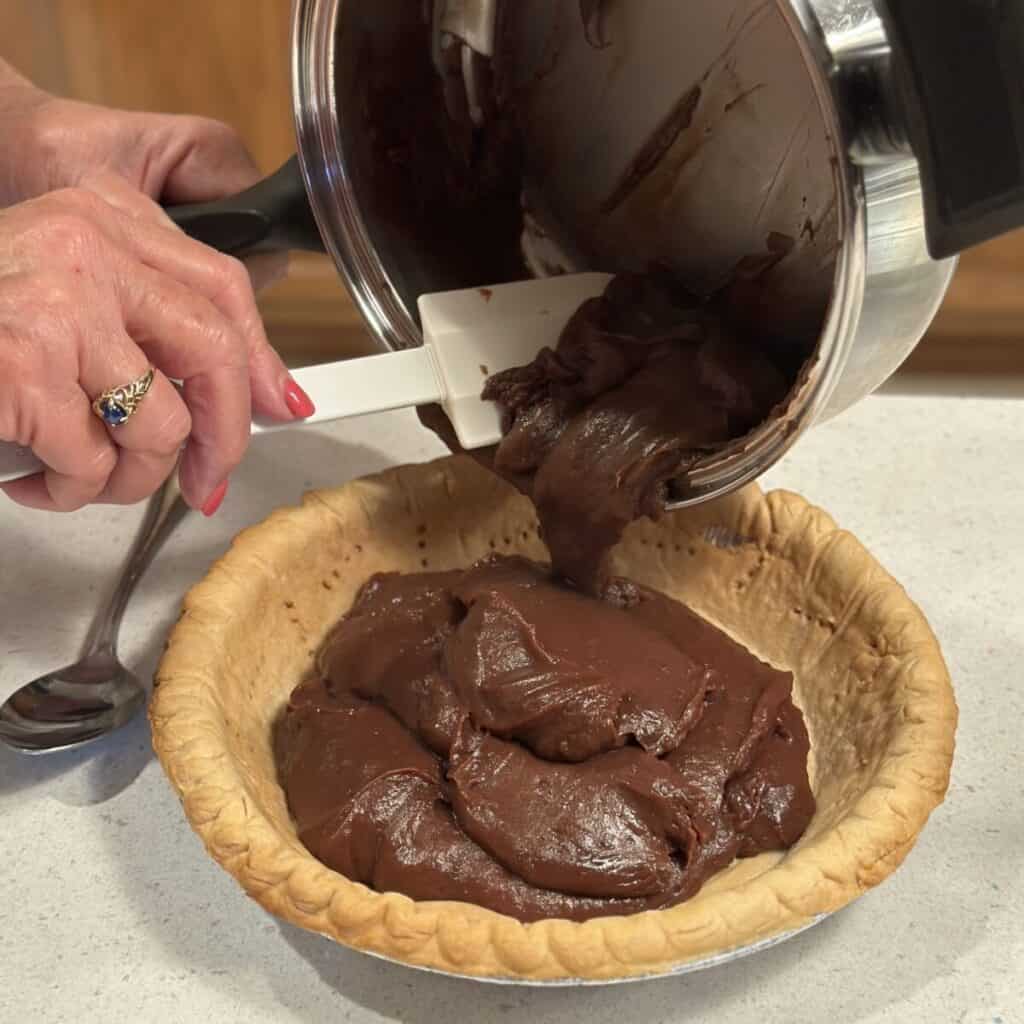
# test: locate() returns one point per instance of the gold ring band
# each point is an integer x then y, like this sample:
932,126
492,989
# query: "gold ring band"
116,406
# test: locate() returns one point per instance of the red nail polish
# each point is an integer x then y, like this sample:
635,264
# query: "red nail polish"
214,502
299,403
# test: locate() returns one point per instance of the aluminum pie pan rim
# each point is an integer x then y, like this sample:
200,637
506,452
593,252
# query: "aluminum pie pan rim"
692,967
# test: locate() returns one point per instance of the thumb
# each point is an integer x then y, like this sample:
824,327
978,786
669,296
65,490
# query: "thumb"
203,160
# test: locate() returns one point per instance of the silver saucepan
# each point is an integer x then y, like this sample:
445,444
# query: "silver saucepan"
824,159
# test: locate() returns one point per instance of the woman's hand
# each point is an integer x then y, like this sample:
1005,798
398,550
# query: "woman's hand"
51,143
97,285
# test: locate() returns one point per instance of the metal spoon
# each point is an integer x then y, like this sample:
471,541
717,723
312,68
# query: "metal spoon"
78,704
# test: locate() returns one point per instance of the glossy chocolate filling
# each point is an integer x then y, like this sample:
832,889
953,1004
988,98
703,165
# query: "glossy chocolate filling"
645,381
494,737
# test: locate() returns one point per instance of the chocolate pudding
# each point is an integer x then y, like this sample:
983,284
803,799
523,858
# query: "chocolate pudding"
494,737
645,381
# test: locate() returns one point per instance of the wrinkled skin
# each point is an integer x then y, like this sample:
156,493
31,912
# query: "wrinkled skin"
97,285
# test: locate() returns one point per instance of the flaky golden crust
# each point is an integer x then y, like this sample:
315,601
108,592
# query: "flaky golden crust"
799,592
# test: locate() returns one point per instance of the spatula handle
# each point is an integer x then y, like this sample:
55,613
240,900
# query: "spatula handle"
357,387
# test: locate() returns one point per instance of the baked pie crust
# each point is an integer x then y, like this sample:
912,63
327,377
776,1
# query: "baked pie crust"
773,571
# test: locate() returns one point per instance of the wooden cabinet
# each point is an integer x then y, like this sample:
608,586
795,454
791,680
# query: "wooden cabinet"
230,59
980,329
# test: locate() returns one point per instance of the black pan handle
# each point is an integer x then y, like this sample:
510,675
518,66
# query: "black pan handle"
959,67
272,216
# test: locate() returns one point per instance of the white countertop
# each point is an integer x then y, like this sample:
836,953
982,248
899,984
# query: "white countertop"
112,911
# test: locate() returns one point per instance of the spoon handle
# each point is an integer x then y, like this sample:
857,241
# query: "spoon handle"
165,512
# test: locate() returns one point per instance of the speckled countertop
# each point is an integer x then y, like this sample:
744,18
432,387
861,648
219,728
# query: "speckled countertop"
112,911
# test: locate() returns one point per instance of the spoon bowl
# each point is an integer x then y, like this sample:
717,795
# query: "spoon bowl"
72,706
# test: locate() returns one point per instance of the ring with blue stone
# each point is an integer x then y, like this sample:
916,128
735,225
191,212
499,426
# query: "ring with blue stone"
117,405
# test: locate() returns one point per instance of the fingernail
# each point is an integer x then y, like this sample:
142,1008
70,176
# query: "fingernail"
299,403
214,502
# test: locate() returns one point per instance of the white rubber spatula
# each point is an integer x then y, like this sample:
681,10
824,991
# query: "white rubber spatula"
468,335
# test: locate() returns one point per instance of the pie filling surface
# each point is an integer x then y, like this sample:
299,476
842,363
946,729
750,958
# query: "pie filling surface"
498,737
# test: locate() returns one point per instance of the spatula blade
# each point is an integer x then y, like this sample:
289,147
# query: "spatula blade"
478,332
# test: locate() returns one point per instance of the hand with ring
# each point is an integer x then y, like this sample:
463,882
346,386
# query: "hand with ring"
105,304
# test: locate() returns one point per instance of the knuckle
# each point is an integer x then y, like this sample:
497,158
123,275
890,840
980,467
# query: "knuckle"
172,431
41,330
53,297
67,231
236,281
83,202
220,339
236,292
98,465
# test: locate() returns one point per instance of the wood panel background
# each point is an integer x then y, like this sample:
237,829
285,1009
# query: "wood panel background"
229,59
